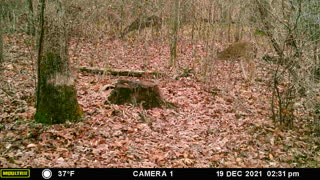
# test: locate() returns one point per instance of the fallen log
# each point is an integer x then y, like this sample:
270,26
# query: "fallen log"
115,72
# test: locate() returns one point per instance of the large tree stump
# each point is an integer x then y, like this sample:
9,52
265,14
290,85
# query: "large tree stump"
146,94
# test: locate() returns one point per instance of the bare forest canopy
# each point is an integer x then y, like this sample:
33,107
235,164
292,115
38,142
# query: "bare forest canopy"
159,83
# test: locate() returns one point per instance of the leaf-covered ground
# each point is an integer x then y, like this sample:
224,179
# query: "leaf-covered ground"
221,122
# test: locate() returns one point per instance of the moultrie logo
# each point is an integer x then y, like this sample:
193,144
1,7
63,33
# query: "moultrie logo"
15,173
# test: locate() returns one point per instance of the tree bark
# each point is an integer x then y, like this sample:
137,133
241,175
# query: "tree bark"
174,34
144,93
31,28
1,44
262,8
56,93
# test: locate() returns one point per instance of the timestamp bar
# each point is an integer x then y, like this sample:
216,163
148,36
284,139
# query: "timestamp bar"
266,173
172,173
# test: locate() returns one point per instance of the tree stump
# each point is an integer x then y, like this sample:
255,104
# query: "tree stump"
144,93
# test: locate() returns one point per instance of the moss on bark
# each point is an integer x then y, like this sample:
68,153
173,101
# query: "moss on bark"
57,100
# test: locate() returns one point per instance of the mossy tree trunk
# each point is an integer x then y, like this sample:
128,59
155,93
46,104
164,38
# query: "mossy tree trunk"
56,93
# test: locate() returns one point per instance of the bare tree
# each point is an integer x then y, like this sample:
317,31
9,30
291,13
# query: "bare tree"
1,40
31,27
1,43
56,93
293,30
174,33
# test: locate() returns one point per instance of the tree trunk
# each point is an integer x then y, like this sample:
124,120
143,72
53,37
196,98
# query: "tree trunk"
174,34
263,10
1,44
31,28
56,93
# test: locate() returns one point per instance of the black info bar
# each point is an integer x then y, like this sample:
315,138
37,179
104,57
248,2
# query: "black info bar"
160,173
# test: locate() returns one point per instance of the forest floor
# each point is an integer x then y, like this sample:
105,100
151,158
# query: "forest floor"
221,122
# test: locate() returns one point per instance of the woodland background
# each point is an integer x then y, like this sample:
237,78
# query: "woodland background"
218,119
